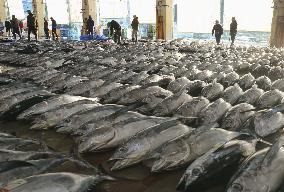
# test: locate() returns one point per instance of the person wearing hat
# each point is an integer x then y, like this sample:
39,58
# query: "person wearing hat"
218,31
134,25
31,24
233,30
53,28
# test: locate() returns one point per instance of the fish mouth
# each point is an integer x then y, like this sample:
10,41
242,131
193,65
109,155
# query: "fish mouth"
163,165
123,163
181,186
40,125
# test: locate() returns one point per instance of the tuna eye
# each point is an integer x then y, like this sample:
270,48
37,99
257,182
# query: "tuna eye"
196,171
236,188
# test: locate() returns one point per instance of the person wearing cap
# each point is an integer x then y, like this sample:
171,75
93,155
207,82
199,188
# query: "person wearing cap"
15,27
134,25
233,30
31,24
218,31
53,28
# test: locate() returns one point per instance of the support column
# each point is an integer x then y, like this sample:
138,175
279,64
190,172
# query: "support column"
164,19
89,7
39,13
3,10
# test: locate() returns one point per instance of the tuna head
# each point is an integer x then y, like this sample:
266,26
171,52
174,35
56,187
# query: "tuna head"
97,139
129,153
177,151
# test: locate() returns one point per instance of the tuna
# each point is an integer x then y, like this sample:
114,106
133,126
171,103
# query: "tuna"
182,151
114,135
236,116
214,161
232,94
266,168
51,182
143,143
55,116
270,99
170,104
264,83
50,104
251,95
193,107
246,81
214,112
212,91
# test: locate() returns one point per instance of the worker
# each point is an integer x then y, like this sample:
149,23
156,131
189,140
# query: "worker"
46,30
134,25
15,27
233,30
8,27
218,31
31,24
21,26
90,26
53,28
1,28
115,30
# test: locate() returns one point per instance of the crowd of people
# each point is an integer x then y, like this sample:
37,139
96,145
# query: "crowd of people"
16,27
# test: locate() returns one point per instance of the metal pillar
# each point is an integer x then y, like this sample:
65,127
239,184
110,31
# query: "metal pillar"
39,13
164,19
89,7
3,10
222,7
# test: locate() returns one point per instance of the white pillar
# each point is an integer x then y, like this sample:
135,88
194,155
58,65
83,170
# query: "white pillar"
89,7
164,21
39,10
3,11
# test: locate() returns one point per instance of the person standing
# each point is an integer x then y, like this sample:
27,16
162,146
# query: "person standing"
21,26
15,27
8,27
90,26
233,30
31,24
218,31
46,30
1,28
134,25
53,28
115,30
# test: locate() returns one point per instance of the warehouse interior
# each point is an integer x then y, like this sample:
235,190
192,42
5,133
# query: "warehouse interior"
141,96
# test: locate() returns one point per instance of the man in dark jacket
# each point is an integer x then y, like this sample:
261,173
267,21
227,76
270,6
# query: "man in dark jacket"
90,25
31,24
233,30
134,25
53,26
115,30
45,27
15,27
8,27
218,31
